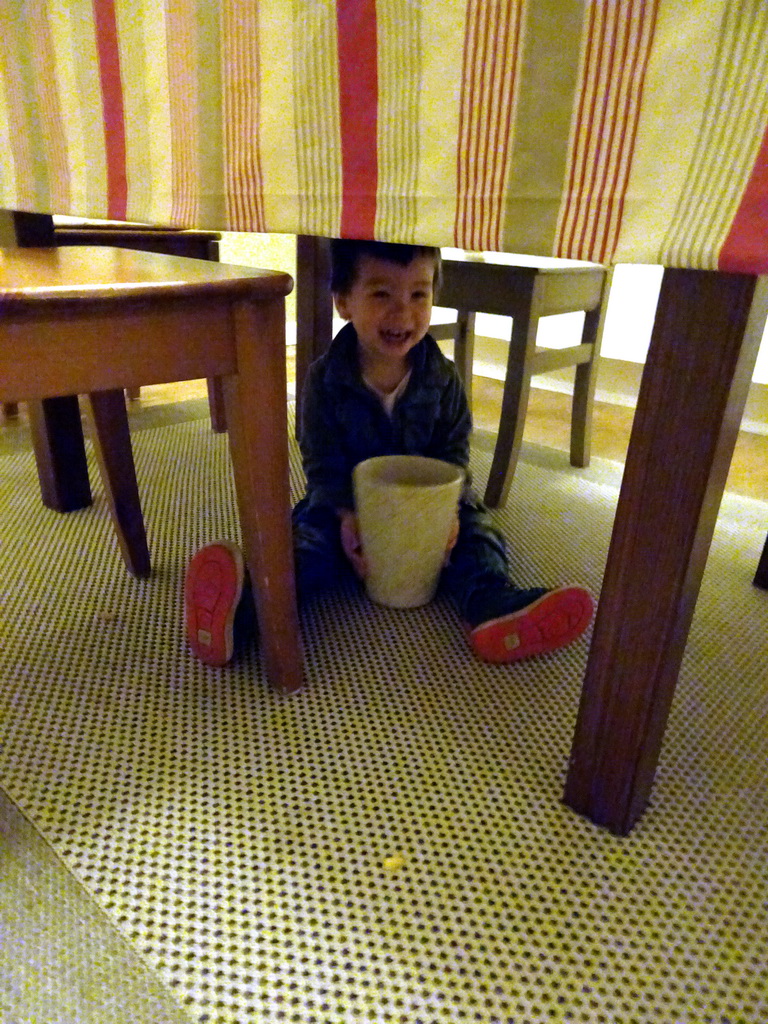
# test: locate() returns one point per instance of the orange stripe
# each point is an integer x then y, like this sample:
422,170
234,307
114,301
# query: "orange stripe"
245,210
593,171
502,141
112,107
183,85
615,66
358,114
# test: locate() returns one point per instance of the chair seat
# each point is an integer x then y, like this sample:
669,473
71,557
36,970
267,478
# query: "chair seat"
526,294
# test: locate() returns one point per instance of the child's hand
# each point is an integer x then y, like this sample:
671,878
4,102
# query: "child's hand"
453,536
350,542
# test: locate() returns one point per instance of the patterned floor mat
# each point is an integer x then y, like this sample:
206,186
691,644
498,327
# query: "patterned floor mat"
389,844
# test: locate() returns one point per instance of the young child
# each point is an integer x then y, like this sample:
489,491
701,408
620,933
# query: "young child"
384,388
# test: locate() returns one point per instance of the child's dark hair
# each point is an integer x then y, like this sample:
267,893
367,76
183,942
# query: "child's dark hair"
346,254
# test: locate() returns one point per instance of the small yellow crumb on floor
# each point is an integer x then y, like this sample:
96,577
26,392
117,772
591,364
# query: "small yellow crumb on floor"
393,863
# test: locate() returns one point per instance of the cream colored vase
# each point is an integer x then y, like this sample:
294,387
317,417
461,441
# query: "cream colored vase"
406,506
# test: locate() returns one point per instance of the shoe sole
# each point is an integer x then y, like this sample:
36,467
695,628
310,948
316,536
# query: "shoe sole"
212,590
554,620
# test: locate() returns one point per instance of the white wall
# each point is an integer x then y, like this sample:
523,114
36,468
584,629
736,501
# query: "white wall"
629,320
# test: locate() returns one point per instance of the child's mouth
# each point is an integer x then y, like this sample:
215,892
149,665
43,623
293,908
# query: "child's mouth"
395,338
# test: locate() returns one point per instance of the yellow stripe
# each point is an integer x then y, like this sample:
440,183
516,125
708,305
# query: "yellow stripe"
669,124
279,164
75,28
17,64
66,75
399,68
9,199
542,124
154,30
442,30
317,114
46,81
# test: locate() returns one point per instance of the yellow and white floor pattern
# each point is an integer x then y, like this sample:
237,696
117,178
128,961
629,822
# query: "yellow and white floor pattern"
389,845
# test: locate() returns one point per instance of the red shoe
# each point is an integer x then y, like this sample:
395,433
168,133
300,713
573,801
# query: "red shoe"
551,621
212,589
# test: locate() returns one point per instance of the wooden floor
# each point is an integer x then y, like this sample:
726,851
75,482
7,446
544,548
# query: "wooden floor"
548,424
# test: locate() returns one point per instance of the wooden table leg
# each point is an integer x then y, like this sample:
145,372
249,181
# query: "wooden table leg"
705,340
57,439
761,576
258,440
216,405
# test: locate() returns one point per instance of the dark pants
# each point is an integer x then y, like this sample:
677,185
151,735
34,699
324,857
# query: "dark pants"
478,561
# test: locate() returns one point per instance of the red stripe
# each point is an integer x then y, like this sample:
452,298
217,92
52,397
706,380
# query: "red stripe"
112,107
478,184
489,76
358,103
745,250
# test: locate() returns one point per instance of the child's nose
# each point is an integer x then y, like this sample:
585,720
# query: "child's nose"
398,309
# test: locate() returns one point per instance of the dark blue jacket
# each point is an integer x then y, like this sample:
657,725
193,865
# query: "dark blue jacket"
343,421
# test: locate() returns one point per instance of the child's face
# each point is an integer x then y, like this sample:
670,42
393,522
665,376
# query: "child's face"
390,307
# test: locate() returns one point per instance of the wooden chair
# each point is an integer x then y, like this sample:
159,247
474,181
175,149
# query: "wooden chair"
95,320
200,245
526,294
55,423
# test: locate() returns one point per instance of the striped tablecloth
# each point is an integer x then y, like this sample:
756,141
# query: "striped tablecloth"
606,130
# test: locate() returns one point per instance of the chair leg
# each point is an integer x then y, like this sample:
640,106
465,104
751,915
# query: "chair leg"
216,404
314,306
761,576
112,444
586,378
464,349
57,440
514,405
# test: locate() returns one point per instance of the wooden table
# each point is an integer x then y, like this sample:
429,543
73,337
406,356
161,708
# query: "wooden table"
608,132
82,320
